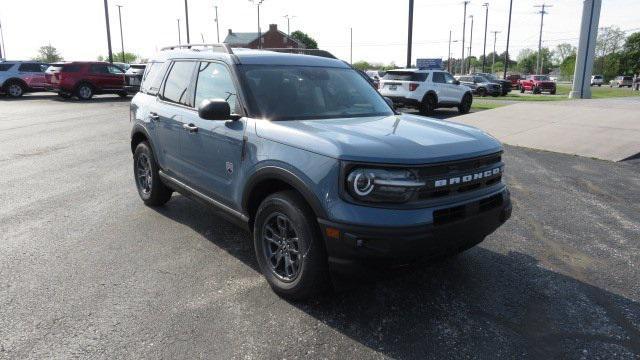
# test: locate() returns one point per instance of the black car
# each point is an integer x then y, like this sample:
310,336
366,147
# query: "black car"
480,85
506,84
133,77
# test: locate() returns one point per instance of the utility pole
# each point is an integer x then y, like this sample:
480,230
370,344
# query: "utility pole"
581,88
121,37
217,25
351,48
179,39
288,17
410,34
464,31
186,19
470,42
449,54
484,49
3,49
106,16
542,12
258,3
506,53
495,38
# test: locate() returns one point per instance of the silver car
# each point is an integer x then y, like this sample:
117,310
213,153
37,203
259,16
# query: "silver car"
621,81
20,77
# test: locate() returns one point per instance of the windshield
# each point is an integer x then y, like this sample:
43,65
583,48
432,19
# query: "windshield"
480,79
490,76
306,92
541,78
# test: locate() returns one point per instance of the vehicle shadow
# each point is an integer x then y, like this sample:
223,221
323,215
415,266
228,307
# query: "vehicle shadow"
480,304
55,97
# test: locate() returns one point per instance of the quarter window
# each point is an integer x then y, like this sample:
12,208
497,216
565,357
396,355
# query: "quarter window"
448,78
152,78
5,67
177,84
215,82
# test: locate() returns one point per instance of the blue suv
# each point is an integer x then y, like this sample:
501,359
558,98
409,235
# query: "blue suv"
304,153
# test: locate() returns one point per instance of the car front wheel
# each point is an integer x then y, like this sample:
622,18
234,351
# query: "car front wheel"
84,92
465,104
289,248
145,169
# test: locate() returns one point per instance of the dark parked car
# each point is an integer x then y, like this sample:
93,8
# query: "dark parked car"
515,80
506,84
480,85
20,77
304,153
85,79
133,77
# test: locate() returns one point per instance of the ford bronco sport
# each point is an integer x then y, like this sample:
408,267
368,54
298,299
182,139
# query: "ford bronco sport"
304,153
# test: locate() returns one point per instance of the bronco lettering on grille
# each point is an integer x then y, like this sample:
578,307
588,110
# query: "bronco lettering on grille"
467,178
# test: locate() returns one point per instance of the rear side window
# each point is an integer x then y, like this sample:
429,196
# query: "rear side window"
176,87
98,69
438,77
70,68
5,67
152,78
405,76
628,78
30,67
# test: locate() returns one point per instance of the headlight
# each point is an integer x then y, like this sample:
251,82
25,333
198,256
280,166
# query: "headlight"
382,185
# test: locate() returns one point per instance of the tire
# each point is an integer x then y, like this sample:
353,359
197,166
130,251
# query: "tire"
465,104
552,92
64,95
521,90
280,218
428,104
123,94
599,85
84,91
145,171
496,95
536,90
15,89
482,92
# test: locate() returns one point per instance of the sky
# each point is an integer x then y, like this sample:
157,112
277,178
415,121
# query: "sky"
77,27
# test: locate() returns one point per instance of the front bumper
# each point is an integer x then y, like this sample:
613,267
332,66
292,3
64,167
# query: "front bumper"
404,102
457,227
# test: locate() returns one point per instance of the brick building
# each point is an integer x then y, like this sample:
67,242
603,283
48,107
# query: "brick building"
273,38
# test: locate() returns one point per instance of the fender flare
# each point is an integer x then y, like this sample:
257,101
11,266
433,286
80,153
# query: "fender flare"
15,80
430,92
274,172
139,129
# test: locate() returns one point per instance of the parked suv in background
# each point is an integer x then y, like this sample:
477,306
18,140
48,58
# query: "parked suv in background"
133,77
480,85
597,80
515,80
505,84
303,152
85,79
621,81
20,77
538,84
425,90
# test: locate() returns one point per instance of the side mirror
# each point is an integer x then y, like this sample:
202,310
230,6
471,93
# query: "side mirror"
215,109
389,102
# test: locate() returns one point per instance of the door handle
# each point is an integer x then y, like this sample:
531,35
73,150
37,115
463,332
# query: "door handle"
190,128
154,116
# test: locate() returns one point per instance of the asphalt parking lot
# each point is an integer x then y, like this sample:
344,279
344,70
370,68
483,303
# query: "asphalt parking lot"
87,271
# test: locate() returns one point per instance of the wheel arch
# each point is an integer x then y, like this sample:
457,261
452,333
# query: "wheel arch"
271,179
14,80
430,93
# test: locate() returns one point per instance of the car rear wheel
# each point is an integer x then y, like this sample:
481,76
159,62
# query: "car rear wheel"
552,92
289,248
482,92
15,89
84,92
145,169
123,94
536,90
428,104
521,90
465,104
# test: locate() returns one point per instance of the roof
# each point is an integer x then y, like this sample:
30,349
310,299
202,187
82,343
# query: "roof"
249,57
415,70
243,38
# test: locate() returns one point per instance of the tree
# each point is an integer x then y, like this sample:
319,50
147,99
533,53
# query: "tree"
568,66
117,57
610,40
563,51
307,40
48,54
631,54
362,65
528,60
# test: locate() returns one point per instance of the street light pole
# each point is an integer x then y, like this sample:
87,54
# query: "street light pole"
410,34
106,16
186,19
3,49
495,38
121,37
179,38
470,42
506,53
288,17
539,60
484,49
449,54
258,3
217,25
464,31
351,47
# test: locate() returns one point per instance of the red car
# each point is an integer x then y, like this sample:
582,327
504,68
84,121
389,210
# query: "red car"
85,79
538,84
515,80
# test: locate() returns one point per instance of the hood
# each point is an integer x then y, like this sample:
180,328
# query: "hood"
400,139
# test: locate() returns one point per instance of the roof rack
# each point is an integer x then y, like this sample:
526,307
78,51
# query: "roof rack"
223,48
312,52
